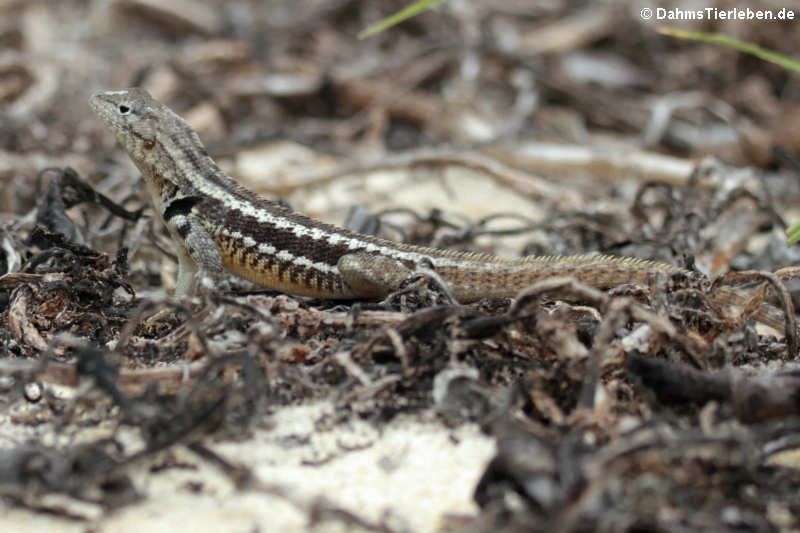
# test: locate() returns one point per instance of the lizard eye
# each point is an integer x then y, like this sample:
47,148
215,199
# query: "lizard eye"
124,109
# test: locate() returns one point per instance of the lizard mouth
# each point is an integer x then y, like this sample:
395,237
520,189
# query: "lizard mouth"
98,105
95,99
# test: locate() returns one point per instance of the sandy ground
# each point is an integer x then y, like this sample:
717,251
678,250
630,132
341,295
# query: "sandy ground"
410,475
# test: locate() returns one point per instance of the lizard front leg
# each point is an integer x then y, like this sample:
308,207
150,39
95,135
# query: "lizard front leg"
198,256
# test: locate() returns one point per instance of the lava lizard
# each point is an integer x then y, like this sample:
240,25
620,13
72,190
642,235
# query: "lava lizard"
219,225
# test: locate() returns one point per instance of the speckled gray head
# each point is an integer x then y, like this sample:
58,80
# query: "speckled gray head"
127,113
163,146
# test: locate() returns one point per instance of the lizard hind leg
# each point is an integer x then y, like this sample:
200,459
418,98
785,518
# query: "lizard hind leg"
370,275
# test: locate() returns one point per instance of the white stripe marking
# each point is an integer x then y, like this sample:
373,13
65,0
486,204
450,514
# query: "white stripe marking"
283,255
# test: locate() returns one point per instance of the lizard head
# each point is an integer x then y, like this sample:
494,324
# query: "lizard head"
151,133
132,114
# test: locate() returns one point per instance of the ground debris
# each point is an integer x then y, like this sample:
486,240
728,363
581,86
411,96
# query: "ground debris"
508,127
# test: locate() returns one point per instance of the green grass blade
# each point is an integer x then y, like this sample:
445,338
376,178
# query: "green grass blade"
400,16
742,46
793,234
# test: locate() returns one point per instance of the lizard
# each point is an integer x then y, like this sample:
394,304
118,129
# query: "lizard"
217,225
